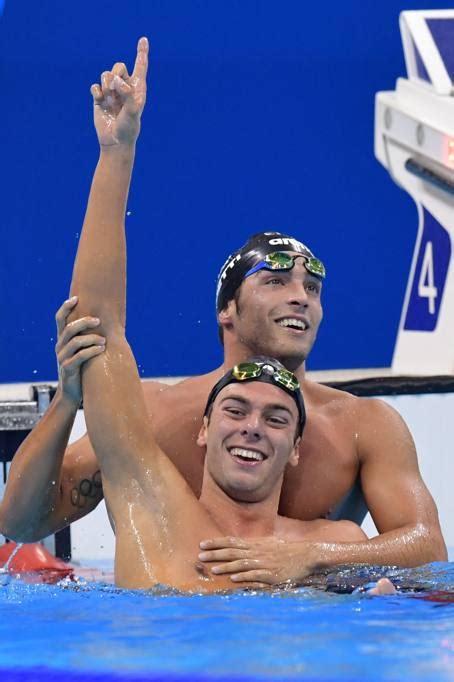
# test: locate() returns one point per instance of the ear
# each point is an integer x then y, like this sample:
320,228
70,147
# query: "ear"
226,315
295,453
203,433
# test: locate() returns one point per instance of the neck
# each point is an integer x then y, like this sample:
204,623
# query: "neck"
235,352
241,519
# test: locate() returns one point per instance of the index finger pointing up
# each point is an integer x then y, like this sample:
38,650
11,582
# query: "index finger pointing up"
141,63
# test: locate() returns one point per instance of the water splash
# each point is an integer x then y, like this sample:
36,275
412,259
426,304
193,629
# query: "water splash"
6,566
5,576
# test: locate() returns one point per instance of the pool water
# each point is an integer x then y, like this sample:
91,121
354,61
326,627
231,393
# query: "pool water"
95,631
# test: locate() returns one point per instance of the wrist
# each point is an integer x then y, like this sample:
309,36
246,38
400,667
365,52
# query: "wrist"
65,401
123,151
313,557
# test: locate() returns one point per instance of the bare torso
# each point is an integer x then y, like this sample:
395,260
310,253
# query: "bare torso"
308,494
162,549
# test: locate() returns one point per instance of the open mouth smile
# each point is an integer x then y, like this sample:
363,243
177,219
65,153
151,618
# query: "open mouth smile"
293,323
247,456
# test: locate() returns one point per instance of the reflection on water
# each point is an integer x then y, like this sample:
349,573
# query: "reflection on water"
302,633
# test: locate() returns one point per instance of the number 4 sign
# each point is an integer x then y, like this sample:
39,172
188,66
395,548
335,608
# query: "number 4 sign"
426,288
429,276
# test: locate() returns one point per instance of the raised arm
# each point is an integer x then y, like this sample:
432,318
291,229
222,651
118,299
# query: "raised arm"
50,485
114,405
154,512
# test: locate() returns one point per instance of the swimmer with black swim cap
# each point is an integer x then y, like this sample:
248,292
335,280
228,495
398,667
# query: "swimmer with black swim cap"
267,250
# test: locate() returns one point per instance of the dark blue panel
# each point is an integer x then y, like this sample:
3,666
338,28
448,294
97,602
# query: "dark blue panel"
420,66
429,278
442,31
260,116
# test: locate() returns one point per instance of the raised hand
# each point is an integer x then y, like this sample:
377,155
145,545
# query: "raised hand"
119,100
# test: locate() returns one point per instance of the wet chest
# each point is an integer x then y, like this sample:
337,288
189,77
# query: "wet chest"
326,471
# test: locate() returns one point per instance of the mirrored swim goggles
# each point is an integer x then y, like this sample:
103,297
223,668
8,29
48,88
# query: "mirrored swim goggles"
252,370
265,372
279,260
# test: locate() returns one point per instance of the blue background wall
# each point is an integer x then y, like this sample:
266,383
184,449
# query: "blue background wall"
260,116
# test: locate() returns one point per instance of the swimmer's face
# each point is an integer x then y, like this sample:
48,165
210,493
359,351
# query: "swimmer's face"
250,439
277,313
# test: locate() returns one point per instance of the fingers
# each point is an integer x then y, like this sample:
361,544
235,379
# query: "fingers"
72,347
78,351
141,63
120,86
118,83
97,95
235,566
66,331
259,576
73,363
106,79
119,69
102,94
223,543
75,347
103,91
257,586
63,312
223,555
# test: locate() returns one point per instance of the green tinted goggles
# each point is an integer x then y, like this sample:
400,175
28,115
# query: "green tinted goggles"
267,372
252,370
279,260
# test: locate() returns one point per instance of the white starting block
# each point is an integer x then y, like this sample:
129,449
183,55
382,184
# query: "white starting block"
414,140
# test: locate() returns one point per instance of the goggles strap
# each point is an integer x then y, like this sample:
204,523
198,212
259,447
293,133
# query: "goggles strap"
285,261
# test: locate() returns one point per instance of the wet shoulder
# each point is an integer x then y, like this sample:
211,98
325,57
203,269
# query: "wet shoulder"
322,396
328,407
188,394
328,400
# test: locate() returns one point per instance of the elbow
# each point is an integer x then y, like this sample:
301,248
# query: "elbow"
437,548
433,546
12,529
7,529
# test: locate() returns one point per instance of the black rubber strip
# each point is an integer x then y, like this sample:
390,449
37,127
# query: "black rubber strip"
395,385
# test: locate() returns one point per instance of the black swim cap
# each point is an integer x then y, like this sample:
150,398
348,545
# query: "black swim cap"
272,372
256,248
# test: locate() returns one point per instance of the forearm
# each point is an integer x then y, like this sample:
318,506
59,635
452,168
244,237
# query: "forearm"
33,485
408,546
99,272
99,281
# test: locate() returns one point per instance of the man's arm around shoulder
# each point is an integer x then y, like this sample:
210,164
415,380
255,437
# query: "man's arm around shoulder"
400,504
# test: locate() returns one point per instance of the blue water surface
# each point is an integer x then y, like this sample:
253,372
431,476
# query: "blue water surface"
87,631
